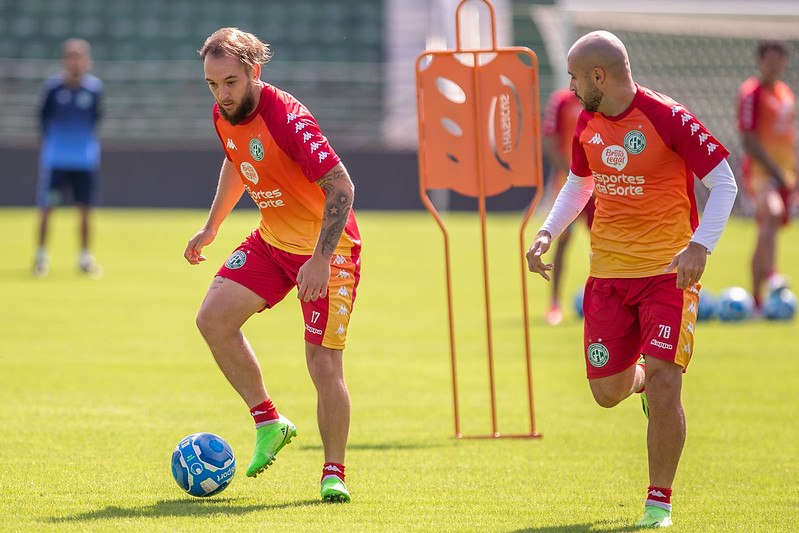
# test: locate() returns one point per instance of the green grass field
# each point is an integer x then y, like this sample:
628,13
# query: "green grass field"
100,379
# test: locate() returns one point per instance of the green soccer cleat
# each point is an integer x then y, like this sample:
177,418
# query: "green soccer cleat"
269,440
334,491
655,517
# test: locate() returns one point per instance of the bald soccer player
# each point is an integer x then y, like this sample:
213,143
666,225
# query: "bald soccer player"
637,151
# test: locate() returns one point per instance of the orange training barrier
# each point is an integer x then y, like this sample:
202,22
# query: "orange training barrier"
479,135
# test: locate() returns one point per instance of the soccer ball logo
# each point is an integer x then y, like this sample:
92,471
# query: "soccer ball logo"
203,464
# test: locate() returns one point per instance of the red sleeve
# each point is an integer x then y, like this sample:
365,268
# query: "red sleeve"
683,133
748,99
297,133
551,124
579,163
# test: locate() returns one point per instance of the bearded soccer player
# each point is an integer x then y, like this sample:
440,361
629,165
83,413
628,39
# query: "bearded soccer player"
638,151
767,122
307,238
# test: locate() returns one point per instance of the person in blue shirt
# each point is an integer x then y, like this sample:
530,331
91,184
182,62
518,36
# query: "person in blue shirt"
69,113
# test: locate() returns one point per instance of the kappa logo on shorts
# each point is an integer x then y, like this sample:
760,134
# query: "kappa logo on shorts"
236,260
597,354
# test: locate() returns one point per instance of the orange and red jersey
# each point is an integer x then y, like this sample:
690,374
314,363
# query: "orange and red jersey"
280,152
770,112
560,118
643,163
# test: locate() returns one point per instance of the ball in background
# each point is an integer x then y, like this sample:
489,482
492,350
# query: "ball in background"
203,464
579,295
781,305
708,307
735,304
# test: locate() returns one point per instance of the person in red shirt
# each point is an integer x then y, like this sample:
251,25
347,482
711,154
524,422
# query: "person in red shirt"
767,123
560,118
307,238
638,151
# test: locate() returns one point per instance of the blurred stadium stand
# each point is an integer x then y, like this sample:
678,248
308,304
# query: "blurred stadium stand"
352,63
326,53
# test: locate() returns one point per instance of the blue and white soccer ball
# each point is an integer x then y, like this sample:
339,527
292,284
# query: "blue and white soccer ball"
781,305
708,307
203,464
735,304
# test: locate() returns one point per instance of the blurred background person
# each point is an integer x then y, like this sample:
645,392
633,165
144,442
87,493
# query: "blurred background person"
767,122
69,112
560,118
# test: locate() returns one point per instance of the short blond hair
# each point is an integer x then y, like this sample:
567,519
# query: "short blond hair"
244,46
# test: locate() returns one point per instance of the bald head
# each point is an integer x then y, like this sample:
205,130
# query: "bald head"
602,49
600,71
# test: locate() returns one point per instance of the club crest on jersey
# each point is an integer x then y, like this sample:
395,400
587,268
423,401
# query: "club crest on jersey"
256,149
248,171
634,142
236,260
597,355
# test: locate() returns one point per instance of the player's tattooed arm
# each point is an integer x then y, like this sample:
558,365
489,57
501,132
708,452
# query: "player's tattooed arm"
339,195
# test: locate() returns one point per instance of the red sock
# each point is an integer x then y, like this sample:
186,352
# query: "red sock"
659,497
333,469
264,413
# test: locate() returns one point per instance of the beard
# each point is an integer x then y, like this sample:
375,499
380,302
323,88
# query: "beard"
592,99
243,110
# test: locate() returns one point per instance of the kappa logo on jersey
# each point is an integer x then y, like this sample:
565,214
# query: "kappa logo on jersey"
343,291
248,171
291,117
323,156
711,147
307,136
634,142
299,126
315,146
615,157
341,330
596,139
342,310
339,260
343,274
230,144
256,149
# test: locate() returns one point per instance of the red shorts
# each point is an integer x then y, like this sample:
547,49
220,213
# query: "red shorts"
271,273
628,317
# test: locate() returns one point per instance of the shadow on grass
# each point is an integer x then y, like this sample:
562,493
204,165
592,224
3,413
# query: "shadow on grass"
378,446
604,526
179,507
